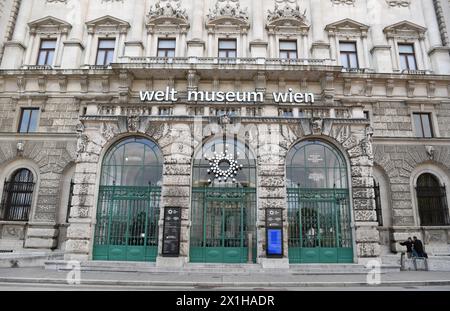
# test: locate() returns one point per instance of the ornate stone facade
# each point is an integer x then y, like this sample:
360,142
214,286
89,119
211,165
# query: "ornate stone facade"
367,113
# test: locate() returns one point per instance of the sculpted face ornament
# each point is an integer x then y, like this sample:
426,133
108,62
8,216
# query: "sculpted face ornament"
223,166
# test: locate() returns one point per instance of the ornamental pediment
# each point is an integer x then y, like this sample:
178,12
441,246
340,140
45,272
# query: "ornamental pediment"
49,24
108,23
347,26
405,29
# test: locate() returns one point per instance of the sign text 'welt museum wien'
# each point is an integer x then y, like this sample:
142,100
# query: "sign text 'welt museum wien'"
171,95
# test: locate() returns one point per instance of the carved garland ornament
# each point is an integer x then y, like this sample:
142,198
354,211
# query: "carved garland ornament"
399,3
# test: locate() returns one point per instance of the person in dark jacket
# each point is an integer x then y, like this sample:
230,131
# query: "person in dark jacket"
409,246
418,248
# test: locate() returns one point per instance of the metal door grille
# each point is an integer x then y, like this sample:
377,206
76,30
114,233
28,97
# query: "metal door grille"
223,225
319,225
127,223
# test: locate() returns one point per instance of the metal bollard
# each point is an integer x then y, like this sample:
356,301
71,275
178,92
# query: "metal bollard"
250,248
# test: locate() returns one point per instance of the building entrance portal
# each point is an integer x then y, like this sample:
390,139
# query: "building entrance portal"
223,204
128,206
318,205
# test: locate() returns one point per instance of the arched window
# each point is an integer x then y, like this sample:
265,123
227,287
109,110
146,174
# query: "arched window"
378,208
432,201
133,162
17,196
315,164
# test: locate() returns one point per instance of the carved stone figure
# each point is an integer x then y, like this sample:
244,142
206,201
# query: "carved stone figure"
228,8
316,125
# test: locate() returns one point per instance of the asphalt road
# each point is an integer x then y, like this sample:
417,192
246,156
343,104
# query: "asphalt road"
51,287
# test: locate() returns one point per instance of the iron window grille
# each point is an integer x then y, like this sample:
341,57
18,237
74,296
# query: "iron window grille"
17,196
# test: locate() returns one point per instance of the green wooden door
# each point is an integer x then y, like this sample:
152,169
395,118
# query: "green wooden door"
127,223
319,226
223,225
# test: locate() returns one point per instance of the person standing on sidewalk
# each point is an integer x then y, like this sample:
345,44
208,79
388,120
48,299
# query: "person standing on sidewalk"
409,246
418,248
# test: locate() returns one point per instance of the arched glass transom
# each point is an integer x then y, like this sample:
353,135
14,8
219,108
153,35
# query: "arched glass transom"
315,164
133,161
245,176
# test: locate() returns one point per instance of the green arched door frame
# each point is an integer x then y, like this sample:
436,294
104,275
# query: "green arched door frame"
128,202
318,204
223,213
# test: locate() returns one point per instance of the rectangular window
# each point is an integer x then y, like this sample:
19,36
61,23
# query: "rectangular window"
422,123
366,115
165,111
407,57
349,55
46,52
227,48
28,120
288,49
166,48
285,112
105,52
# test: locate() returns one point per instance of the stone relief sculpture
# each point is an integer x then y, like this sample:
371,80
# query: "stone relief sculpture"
284,9
316,126
167,8
345,2
228,8
367,142
398,3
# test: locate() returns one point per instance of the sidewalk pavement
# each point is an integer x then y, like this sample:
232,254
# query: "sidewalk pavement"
198,279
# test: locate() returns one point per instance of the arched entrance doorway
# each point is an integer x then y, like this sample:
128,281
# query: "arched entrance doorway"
318,204
128,202
223,203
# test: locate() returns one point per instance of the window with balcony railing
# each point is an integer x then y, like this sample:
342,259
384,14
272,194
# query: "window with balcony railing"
227,50
288,49
166,48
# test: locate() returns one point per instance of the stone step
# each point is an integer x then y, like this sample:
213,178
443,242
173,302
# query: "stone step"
28,258
145,267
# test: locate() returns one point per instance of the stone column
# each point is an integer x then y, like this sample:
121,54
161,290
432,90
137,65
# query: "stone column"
177,152
60,51
80,233
30,48
148,43
364,215
87,56
425,59
366,51
197,19
271,192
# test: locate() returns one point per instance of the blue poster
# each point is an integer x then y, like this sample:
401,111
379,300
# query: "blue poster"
274,242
